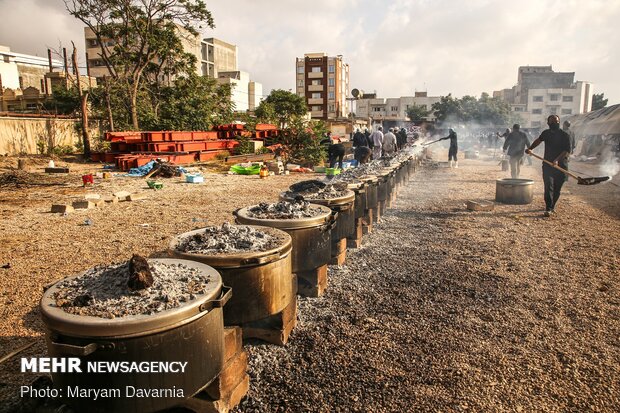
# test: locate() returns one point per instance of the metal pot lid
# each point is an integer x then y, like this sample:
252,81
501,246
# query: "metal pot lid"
284,224
237,259
341,200
60,321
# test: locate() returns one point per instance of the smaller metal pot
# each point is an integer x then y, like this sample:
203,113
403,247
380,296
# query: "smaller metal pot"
514,191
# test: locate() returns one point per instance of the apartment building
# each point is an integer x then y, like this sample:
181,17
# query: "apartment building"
393,109
541,92
214,58
323,81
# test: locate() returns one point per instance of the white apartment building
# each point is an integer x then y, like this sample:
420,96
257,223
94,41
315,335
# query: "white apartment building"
379,109
246,94
541,92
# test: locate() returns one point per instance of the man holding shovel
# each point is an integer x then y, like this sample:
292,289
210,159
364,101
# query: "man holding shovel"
557,149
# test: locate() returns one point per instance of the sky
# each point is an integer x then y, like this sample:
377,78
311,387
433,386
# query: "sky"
393,47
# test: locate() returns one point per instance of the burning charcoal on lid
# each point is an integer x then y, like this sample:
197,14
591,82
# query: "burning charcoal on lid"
312,190
228,239
284,210
140,276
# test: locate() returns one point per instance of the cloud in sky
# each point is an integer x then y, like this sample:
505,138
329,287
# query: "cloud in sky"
393,47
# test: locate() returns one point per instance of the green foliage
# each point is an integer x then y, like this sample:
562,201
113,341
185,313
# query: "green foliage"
245,146
142,40
417,113
302,141
63,101
598,101
60,150
281,107
484,111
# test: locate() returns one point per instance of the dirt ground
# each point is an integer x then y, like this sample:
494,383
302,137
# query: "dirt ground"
442,309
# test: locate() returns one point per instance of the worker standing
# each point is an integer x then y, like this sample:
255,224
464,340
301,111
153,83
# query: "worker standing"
514,147
454,148
377,142
557,149
389,143
359,139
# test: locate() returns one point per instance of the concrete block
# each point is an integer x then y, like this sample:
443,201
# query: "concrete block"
92,196
111,199
62,208
136,197
56,170
84,204
122,195
480,206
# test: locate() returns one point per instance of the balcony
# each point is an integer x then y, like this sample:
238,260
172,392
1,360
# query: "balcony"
315,88
318,101
315,75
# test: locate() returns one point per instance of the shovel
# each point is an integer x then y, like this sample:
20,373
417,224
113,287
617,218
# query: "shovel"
425,144
580,180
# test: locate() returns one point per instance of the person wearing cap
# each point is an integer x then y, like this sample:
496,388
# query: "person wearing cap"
514,147
454,148
377,142
389,143
557,150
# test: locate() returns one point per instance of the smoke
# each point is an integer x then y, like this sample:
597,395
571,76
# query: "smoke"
610,165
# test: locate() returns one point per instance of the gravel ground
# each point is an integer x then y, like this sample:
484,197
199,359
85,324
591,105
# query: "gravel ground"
442,309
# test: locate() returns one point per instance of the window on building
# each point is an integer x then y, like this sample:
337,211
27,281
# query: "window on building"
93,43
424,107
31,106
554,97
518,108
317,108
331,68
394,108
316,95
567,111
330,95
567,98
331,108
331,81
300,69
537,99
316,69
376,109
537,111
553,111
300,82
317,82
536,124
6,58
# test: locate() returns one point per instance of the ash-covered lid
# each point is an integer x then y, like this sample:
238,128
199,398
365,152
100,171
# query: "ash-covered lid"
227,239
103,302
317,190
284,210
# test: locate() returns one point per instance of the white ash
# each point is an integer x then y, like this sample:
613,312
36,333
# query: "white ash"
284,210
103,292
330,191
228,239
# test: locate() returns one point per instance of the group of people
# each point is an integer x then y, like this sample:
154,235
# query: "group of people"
378,144
559,144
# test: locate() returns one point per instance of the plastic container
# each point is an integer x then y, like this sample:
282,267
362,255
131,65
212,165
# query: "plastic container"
194,179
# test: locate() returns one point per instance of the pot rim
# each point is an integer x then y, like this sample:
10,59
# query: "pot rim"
286,224
65,323
237,260
342,200
515,181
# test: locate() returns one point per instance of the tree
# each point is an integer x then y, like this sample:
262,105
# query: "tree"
281,107
484,111
598,101
417,113
136,37
302,140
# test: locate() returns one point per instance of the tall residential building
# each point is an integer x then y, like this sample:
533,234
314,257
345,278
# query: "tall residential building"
324,83
214,58
394,109
541,92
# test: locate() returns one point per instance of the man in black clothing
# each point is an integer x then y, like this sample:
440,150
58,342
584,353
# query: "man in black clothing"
368,140
557,149
454,148
362,154
359,139
335,152
514,146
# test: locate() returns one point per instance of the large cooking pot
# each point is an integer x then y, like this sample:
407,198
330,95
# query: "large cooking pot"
372,188
192,333
311,237
345,222
360,198
386,181
514,191
262,281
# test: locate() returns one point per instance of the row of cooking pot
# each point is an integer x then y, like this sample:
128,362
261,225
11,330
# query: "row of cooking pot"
262,284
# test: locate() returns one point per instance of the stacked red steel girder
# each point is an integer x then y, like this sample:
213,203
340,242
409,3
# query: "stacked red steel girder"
136,148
